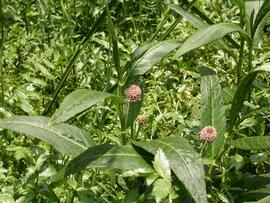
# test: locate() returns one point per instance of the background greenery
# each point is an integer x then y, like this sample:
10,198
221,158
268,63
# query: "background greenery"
55,53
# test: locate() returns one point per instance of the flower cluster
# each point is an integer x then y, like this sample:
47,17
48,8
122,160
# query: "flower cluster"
208,134
134,93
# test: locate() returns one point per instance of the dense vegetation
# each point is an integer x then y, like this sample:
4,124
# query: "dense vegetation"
135,101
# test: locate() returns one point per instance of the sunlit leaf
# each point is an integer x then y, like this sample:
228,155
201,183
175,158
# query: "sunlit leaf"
154,55
77,102
207,35
64,138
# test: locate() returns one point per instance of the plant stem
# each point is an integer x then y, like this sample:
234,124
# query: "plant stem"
1,54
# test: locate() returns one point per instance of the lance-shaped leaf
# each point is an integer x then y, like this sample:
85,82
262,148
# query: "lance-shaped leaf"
77,102
184,161
153,55
252,143
241,93
198,23
207,35
212,106
111,157
65,138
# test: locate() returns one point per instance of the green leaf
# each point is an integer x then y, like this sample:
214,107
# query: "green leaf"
207,35
77,102
65,138
263,11
161,189
108,156
161,165
251,6
196,22
241,93
111,29
251,187
212,106
252,143
264,200
153,55
6,198
184,161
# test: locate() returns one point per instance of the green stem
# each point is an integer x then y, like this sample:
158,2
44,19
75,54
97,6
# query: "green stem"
1,54
140,22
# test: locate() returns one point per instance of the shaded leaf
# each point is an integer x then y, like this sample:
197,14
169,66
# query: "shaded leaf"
184,161
252,143
108,156
251,187
212,106
77,102
207,35
65,138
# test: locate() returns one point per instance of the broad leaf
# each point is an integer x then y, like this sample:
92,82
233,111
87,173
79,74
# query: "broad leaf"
153,56
241,93
212,106
252,143
77,102
207,35
111,157
65,138
184,161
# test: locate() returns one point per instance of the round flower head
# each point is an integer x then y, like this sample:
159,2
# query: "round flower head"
208,134
142,119
134,93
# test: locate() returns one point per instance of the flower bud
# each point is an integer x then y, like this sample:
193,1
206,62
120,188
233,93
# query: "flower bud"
142,119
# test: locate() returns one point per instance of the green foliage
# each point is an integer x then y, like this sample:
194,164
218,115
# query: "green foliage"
74,62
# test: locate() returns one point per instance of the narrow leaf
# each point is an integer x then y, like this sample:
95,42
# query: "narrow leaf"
212,106
207,35
65,138
252,143
264,200
77,102
110,157
184,161
153,55
198,23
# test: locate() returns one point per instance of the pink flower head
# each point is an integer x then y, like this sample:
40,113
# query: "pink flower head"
208,134
134,93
